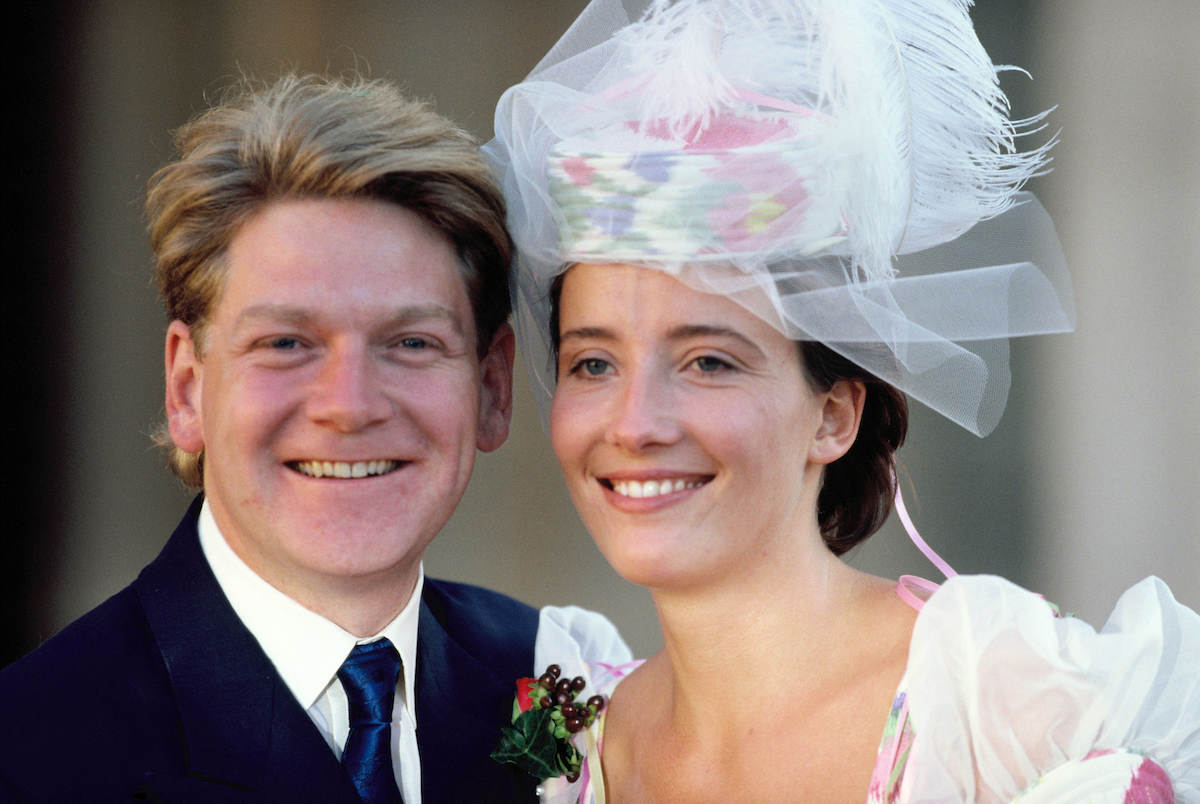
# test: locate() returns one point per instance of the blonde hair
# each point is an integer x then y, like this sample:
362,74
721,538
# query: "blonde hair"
315,137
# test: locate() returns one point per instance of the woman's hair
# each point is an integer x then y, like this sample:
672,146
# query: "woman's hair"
857,489
313,137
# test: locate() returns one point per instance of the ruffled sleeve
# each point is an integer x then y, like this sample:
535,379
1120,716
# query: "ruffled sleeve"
586,644
575,638
1009,700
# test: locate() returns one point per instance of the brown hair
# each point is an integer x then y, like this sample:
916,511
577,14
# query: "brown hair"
315,137
858,488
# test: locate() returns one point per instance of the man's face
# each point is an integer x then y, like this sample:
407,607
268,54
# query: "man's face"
337,393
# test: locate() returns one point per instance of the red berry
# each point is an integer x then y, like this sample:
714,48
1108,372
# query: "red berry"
596,701
575,724
554,670
578,683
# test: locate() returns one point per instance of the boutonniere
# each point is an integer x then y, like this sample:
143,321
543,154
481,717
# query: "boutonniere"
546,714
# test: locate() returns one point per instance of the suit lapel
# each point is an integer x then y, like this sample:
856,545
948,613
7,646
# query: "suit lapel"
461,706
242,726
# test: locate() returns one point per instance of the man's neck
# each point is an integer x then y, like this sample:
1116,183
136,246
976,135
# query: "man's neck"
361,604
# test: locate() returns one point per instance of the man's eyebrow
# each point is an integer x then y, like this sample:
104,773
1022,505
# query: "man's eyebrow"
414,313
301,316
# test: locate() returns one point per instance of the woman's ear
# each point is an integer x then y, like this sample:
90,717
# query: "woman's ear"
184,372
841,414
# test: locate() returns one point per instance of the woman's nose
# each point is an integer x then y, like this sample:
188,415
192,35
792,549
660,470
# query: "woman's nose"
643,415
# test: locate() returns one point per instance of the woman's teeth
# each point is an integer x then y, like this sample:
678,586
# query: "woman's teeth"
345,469
653,488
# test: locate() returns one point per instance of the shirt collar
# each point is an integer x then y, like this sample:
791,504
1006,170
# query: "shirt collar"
305,648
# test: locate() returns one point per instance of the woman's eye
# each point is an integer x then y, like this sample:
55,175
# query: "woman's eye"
592,366
709,364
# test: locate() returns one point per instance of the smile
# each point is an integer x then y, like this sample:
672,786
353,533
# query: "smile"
640,489
344,469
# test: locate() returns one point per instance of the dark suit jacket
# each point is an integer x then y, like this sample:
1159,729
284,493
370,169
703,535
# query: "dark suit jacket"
161,694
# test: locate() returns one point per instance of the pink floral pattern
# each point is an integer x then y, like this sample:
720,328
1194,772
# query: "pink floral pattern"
689,202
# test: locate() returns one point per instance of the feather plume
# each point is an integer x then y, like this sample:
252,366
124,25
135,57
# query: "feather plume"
921,137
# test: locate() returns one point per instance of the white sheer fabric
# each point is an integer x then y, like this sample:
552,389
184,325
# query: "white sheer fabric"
1005,698
575,638
863,196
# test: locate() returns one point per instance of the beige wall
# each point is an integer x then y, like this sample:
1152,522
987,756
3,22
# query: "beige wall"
1089,482
1118,463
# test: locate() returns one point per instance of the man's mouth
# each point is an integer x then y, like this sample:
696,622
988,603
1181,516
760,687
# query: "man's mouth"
345,469
640,489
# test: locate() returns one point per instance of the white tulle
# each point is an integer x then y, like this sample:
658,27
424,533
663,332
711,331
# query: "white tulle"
913,253
1002,694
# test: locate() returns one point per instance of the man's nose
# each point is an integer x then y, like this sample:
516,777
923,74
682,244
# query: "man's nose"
348,393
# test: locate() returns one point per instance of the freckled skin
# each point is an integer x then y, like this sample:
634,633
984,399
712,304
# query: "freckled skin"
656,377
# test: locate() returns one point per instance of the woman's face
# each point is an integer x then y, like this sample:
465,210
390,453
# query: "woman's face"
691,441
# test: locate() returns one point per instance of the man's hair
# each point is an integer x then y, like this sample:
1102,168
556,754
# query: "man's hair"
309,137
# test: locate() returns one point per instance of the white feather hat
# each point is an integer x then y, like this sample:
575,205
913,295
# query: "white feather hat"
844,168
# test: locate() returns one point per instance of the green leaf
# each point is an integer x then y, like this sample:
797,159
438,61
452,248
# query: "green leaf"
568,760
530,745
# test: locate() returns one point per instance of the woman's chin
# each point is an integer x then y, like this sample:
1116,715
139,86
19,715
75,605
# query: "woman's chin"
656,563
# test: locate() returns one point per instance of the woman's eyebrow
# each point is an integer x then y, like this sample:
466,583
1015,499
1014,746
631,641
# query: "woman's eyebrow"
680,333
686,331
588,333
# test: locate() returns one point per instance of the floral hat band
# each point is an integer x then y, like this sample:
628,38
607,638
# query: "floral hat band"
743,188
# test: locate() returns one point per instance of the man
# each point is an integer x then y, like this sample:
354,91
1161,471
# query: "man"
333,259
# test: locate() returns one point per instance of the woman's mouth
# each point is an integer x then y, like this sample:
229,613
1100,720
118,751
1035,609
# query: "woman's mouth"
641,489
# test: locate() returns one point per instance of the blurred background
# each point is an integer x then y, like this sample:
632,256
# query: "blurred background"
1091,482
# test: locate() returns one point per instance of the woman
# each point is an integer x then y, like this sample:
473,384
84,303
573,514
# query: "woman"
745,228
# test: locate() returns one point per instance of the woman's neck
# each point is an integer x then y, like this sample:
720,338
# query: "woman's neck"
783,668
772,629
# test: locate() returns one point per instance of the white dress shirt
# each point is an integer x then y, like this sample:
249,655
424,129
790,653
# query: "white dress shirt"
308,649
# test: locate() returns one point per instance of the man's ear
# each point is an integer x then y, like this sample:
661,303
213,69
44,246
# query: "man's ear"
841,414
184,372
496,390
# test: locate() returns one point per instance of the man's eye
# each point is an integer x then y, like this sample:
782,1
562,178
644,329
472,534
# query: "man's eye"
413,342
283,342
709,364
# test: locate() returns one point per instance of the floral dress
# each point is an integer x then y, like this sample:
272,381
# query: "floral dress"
1003,700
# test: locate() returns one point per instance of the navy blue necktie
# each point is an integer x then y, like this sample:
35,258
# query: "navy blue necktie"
369,675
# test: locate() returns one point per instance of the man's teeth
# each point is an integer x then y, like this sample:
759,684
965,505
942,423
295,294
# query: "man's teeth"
652,488
344,469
